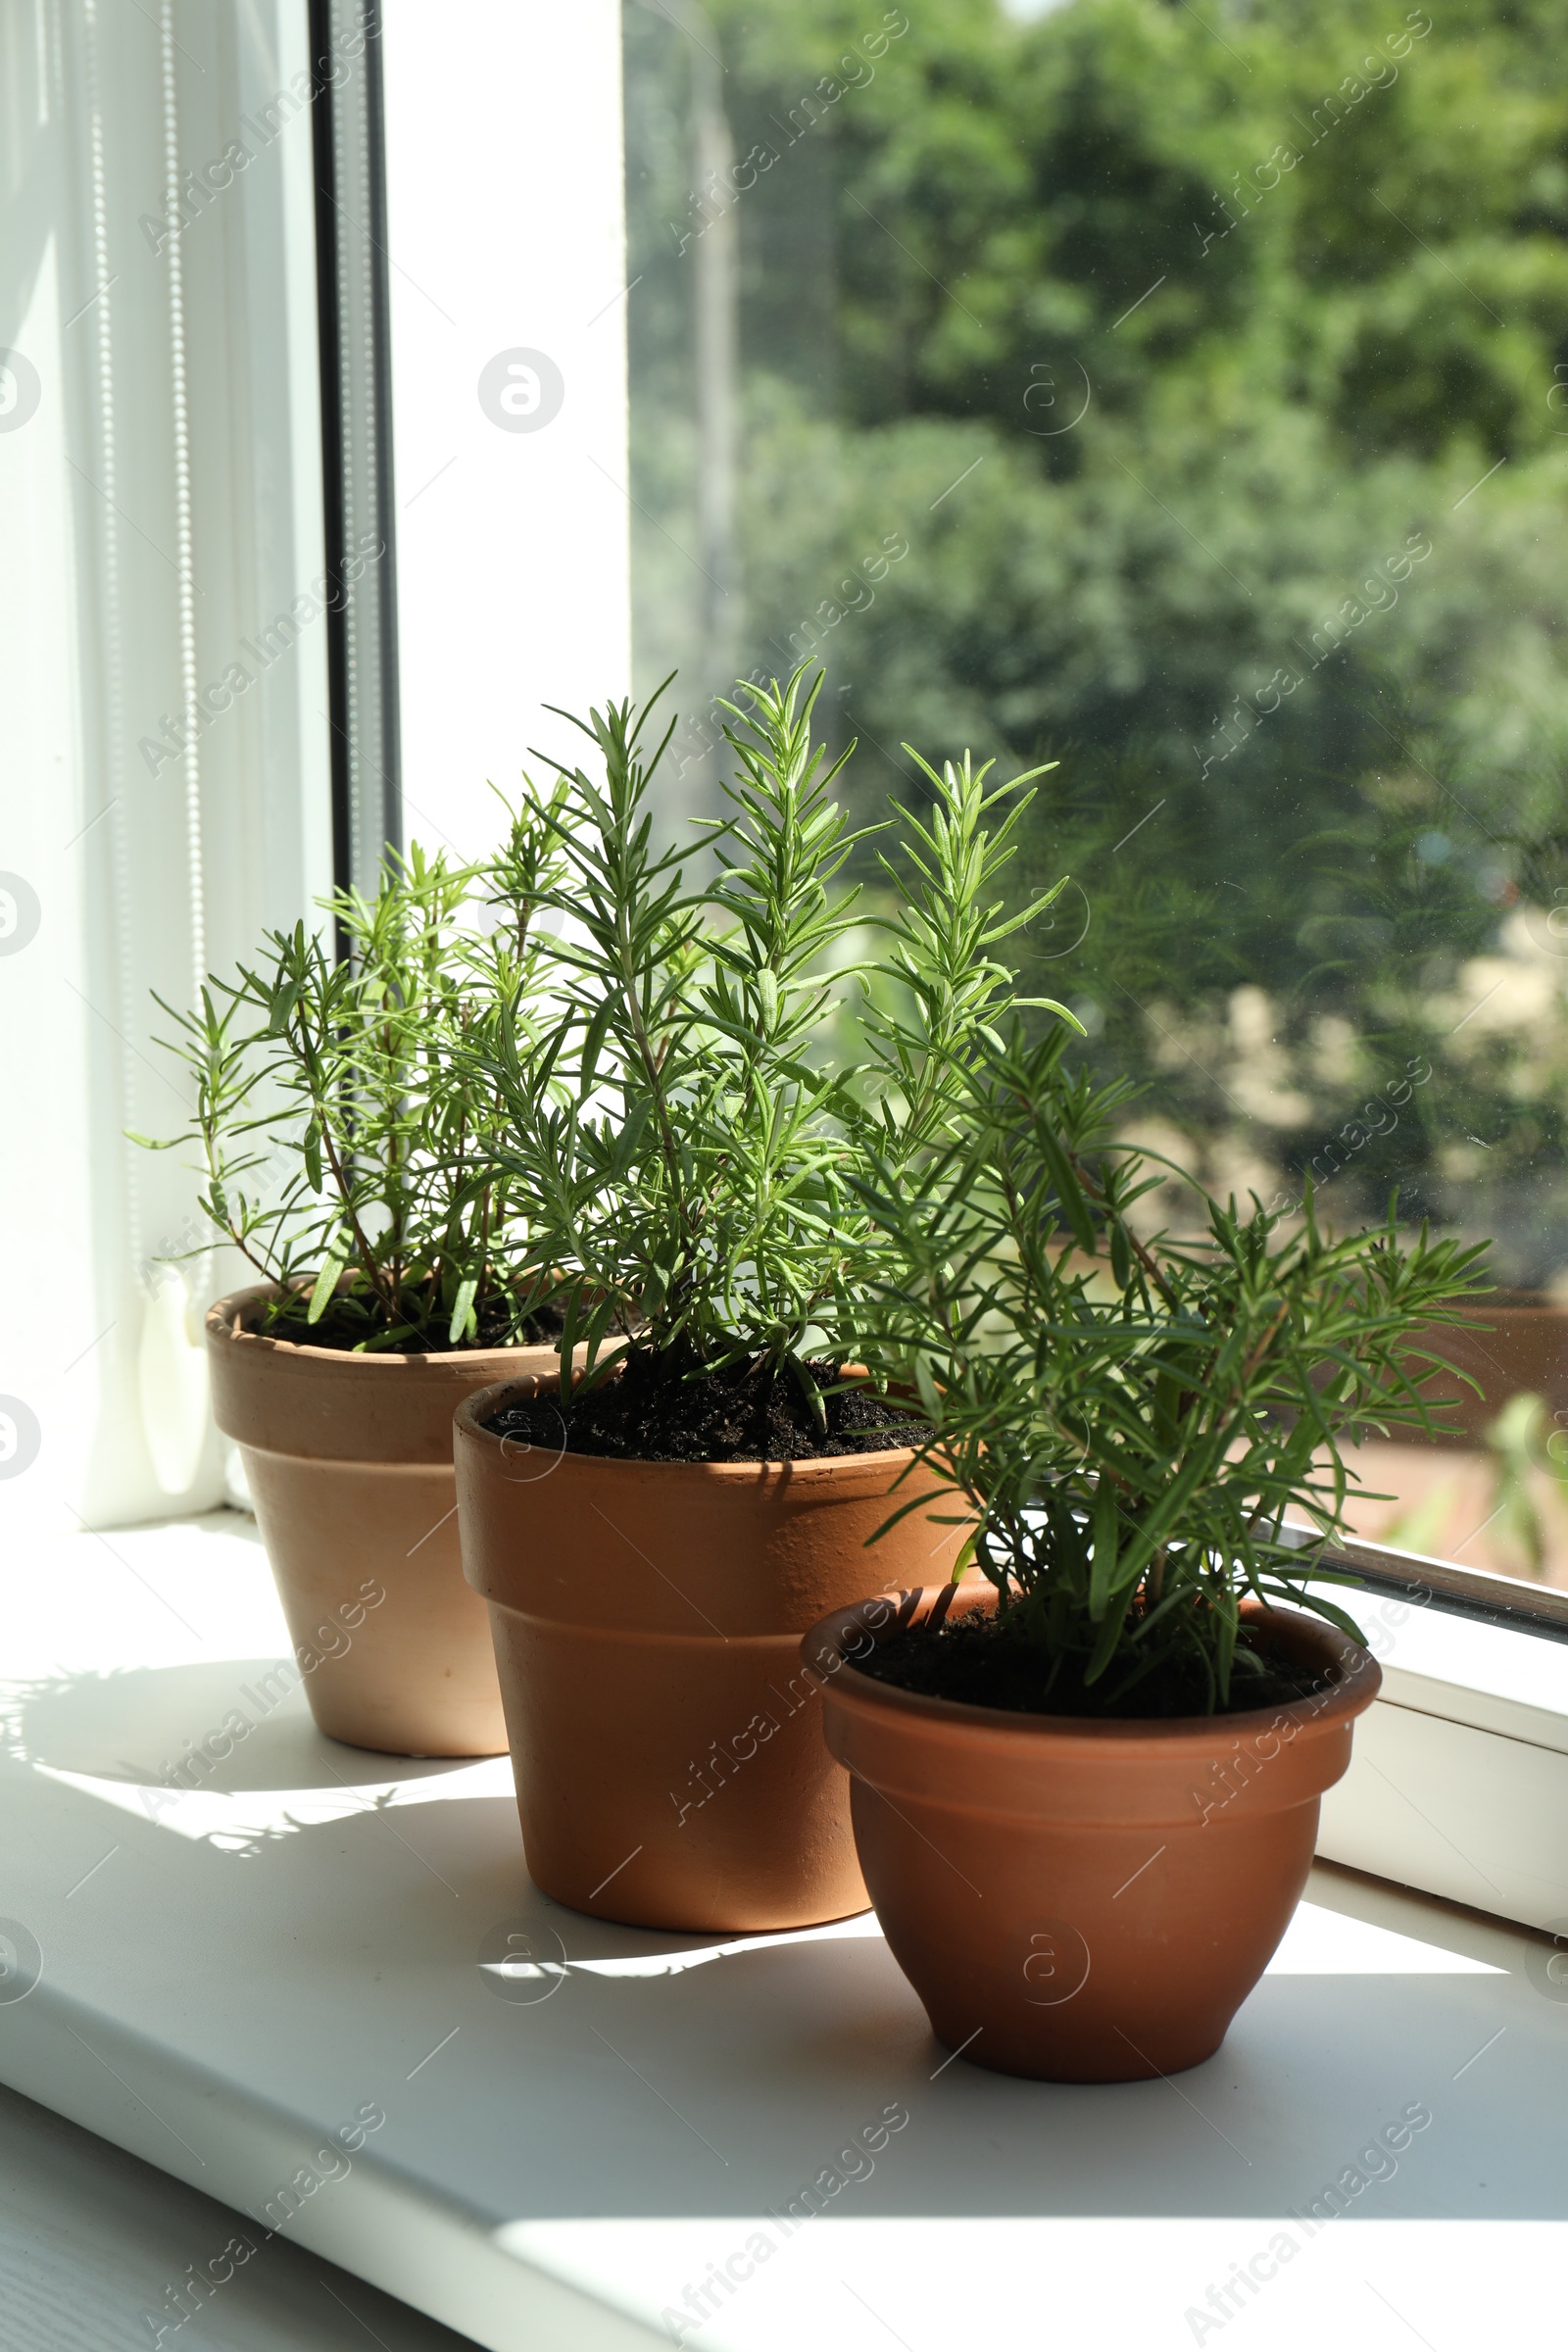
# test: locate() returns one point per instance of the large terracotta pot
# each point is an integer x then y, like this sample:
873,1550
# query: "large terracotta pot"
665,1743
1082,1901
1509,1340
349,1462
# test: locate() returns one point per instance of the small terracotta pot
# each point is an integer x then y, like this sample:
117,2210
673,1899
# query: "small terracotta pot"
667,1746
1083,1901
349,1462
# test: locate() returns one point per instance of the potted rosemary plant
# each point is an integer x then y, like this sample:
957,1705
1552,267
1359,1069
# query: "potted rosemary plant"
349,1157
654,1544
1085,1790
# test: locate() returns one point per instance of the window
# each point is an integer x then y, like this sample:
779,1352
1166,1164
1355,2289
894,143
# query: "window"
1032,372
1180,393
238,652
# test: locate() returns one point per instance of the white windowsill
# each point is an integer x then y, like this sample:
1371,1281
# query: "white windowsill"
1459,1778
227,1978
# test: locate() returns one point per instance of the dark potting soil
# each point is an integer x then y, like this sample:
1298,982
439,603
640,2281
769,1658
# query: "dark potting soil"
978,1661
658,1410
348,1324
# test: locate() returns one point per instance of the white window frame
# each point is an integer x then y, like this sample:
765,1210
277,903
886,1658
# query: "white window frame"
1459,1777
506,234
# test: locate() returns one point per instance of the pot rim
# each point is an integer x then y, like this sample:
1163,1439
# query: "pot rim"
1360,1680
1507,1300
220,1326
468,1422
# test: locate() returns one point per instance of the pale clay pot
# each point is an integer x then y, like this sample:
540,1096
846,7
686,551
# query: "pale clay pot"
349,1463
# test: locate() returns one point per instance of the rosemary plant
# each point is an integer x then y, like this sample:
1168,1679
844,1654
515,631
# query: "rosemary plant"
687,1180
938,986
1129,1420
694,1182
347,1149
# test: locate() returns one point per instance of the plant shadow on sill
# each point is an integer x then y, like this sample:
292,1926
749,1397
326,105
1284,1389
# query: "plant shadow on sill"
773,2049
140,1725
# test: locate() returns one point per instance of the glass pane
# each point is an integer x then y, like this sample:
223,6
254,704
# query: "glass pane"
1179,393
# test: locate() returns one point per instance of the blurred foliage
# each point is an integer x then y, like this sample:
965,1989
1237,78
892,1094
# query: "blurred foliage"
1182,395
1525,1522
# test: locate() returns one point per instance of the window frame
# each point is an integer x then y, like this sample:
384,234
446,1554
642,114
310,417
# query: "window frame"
1454,1789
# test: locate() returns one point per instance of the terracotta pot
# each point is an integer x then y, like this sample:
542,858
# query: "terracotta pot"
349,1463
1083,1901
1520,1343
666,1744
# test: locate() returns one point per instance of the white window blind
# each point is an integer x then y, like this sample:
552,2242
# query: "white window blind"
165,774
